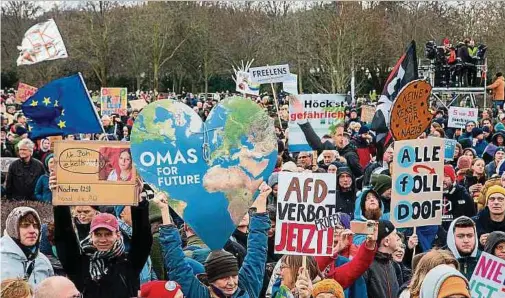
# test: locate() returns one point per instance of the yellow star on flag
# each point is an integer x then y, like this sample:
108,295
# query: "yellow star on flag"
61,124
47,100
55,103
34,103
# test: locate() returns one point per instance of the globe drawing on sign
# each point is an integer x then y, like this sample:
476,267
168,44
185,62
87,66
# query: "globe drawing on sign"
210,170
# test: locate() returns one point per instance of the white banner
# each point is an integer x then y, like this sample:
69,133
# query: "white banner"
458,117
40,43
270,74
303,198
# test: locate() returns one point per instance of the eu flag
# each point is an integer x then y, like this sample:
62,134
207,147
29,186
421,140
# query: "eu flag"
61,107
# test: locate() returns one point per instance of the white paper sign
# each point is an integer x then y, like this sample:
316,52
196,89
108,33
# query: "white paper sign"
41,42
303,198
270,74
244,84
458,117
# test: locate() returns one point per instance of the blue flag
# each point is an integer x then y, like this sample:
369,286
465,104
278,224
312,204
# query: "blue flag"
61,107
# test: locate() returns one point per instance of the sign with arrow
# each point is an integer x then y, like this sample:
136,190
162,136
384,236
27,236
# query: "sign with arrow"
418,175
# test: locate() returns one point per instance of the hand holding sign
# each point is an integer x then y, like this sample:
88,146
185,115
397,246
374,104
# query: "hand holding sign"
303,283
343,242
413,241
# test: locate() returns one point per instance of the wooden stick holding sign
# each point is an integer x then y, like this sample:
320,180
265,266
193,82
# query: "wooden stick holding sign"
304,262
277,107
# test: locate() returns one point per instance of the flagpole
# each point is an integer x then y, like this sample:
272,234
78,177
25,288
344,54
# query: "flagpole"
91,103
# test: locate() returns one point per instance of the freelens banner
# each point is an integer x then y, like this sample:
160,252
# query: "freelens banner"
302,199
322,111
418,175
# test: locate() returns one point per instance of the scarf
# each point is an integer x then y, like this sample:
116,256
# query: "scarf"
98,260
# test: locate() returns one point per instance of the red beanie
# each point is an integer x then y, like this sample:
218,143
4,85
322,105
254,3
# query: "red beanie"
159,289
449,171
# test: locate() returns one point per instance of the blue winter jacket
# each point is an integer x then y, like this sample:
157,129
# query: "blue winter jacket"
480,147
42,191
250,275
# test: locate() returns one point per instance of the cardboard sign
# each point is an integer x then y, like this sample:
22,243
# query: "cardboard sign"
210,170
488,279
418,175
113,101
94,173
323,112
138,104
270,74
410,114
450,148
367,113
458,117
303,198
25,91
244,84
6,163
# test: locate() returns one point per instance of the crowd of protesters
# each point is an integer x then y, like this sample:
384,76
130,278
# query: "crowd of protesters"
148,251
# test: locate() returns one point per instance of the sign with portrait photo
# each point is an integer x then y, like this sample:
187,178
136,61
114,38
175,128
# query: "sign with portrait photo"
94,173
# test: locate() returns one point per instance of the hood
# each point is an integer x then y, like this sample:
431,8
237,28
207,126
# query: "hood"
493,240
12,222
433,281
9,247
495,136
360,203
451,243
347,170
273,179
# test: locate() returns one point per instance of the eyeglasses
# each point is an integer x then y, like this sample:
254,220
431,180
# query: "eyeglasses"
498,199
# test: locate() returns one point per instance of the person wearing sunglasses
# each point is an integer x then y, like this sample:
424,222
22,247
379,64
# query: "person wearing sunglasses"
19,248
57,287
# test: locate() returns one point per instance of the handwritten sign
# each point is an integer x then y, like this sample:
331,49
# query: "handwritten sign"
113,101
418,175
94,173
138,104
303,198
458,117
25,91
6,163
488,279
270,74
322,111
410,114
367,113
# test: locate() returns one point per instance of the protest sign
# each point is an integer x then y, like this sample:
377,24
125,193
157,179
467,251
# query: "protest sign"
291,84
458,117
24,92
488,279
53,139
367,113
302,199
450,148
138,104
270,74
94,173
40,43
418,175
323,112
6,163
113,101
410,114
244,84
211,172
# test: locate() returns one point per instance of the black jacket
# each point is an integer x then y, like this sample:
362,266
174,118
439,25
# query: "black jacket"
457,202
381,278
122,279
484,224
348,152
345,200
22,178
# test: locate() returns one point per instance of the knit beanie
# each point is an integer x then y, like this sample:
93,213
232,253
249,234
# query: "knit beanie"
273,179
476,131
464,162
454,285
219,264
499,149
495,189
381,183
486,129
385,228
46,160
449,171
159,289
499,127
12,222
328,286
465,143
363,129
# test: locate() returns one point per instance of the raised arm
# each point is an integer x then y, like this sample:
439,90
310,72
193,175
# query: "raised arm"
142,239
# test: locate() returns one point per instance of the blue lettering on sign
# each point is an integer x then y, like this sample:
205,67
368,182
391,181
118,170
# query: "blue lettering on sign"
403,212
406,156
404,184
